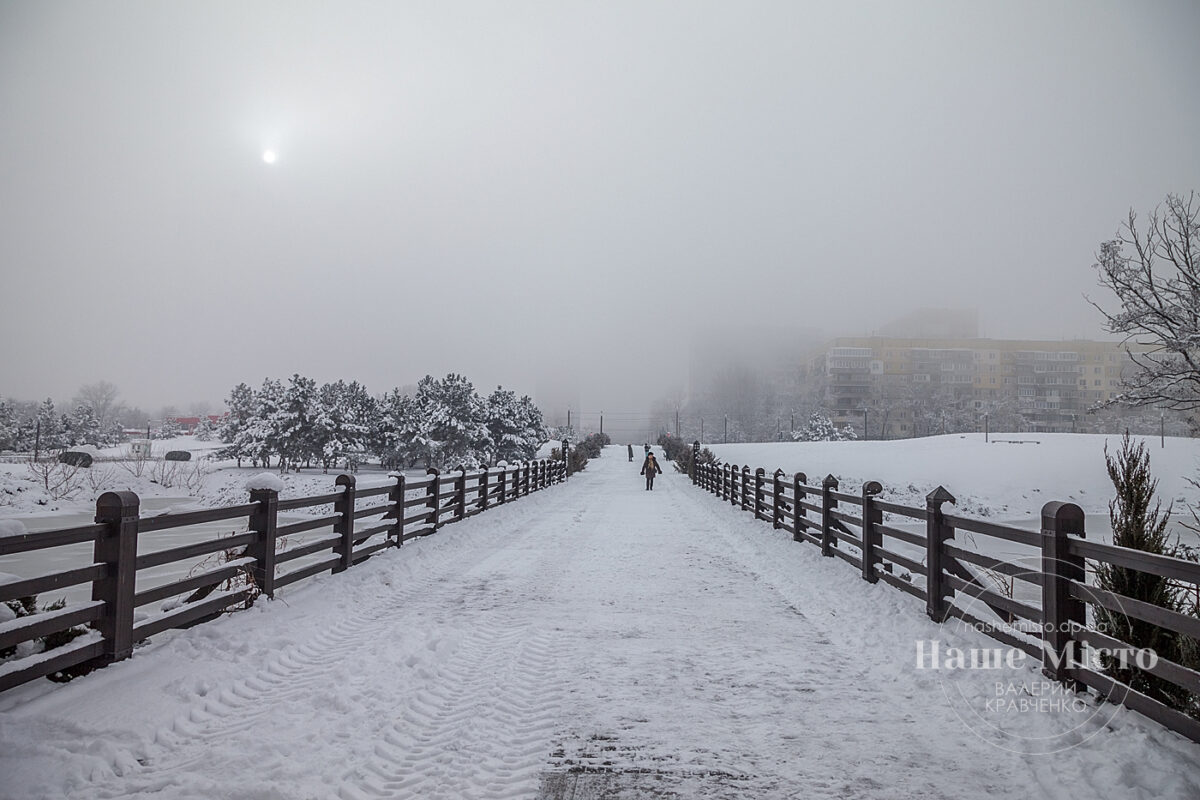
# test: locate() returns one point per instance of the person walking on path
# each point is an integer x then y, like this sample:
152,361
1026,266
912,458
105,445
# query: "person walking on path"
650,468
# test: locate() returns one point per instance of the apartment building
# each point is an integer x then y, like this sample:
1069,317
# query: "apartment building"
905,387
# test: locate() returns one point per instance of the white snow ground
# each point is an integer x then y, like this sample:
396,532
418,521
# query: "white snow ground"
662,636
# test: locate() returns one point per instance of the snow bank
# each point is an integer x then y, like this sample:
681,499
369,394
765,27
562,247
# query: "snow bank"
264,480
11,527
1014,474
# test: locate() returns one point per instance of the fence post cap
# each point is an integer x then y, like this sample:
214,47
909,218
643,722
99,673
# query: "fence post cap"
345,480
938,496
760,471
109,503
830,482
778,472
1057,511
872,488
432,471
263,493
800,476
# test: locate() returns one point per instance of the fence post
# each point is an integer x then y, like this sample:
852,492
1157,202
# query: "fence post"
798,493
501,485
484,478
460,485
264,520
345,526
566,463
936,531
116,548
398,495
759,476
776,499
695,465
724,482
828,504
871,538
745,481
434,502
1060,611
528,477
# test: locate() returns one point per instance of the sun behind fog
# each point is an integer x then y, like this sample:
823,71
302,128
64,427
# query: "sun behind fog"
269,156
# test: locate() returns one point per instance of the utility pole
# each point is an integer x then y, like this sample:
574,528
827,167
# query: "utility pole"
1162,430
677,423
601,423
865,422
568,417
792,424
702,429
985,428
726,429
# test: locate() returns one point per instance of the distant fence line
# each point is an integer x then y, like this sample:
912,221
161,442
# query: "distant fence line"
440,500
942,581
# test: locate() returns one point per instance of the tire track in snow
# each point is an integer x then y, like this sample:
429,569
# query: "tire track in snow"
483,725
300,672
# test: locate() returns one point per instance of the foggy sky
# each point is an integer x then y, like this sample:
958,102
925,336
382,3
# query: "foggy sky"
517,190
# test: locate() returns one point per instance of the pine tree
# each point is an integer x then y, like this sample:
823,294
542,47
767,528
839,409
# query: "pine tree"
820,428
51,430
9,426
1136,526
241,408
515,426
204,429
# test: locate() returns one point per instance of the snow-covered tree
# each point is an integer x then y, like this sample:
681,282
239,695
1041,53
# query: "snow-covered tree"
343,422
241,406
9,426
1155,274
515,426
80,427
103,398
820,428
50,435
443,424
293,423
170,428
204,429
259,439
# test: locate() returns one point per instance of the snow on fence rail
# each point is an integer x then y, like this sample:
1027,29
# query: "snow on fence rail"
412,507
955,579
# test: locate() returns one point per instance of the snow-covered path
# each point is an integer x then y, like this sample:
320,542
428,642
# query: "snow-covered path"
661,642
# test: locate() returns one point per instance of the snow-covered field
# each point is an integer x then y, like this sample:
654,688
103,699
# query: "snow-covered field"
1002,478
661,643
222,483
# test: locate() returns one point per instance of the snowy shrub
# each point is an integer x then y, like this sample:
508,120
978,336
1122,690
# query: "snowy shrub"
1138,526
61,481
27,607
820,428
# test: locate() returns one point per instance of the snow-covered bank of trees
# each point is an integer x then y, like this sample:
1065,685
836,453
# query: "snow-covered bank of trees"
24,426
443,423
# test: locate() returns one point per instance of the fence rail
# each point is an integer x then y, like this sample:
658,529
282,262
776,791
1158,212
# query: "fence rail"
943,569
115,563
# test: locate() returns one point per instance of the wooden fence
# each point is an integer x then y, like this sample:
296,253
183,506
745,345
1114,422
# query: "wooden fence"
400,511
954,579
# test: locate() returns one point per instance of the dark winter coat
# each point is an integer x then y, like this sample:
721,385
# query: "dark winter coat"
651,463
